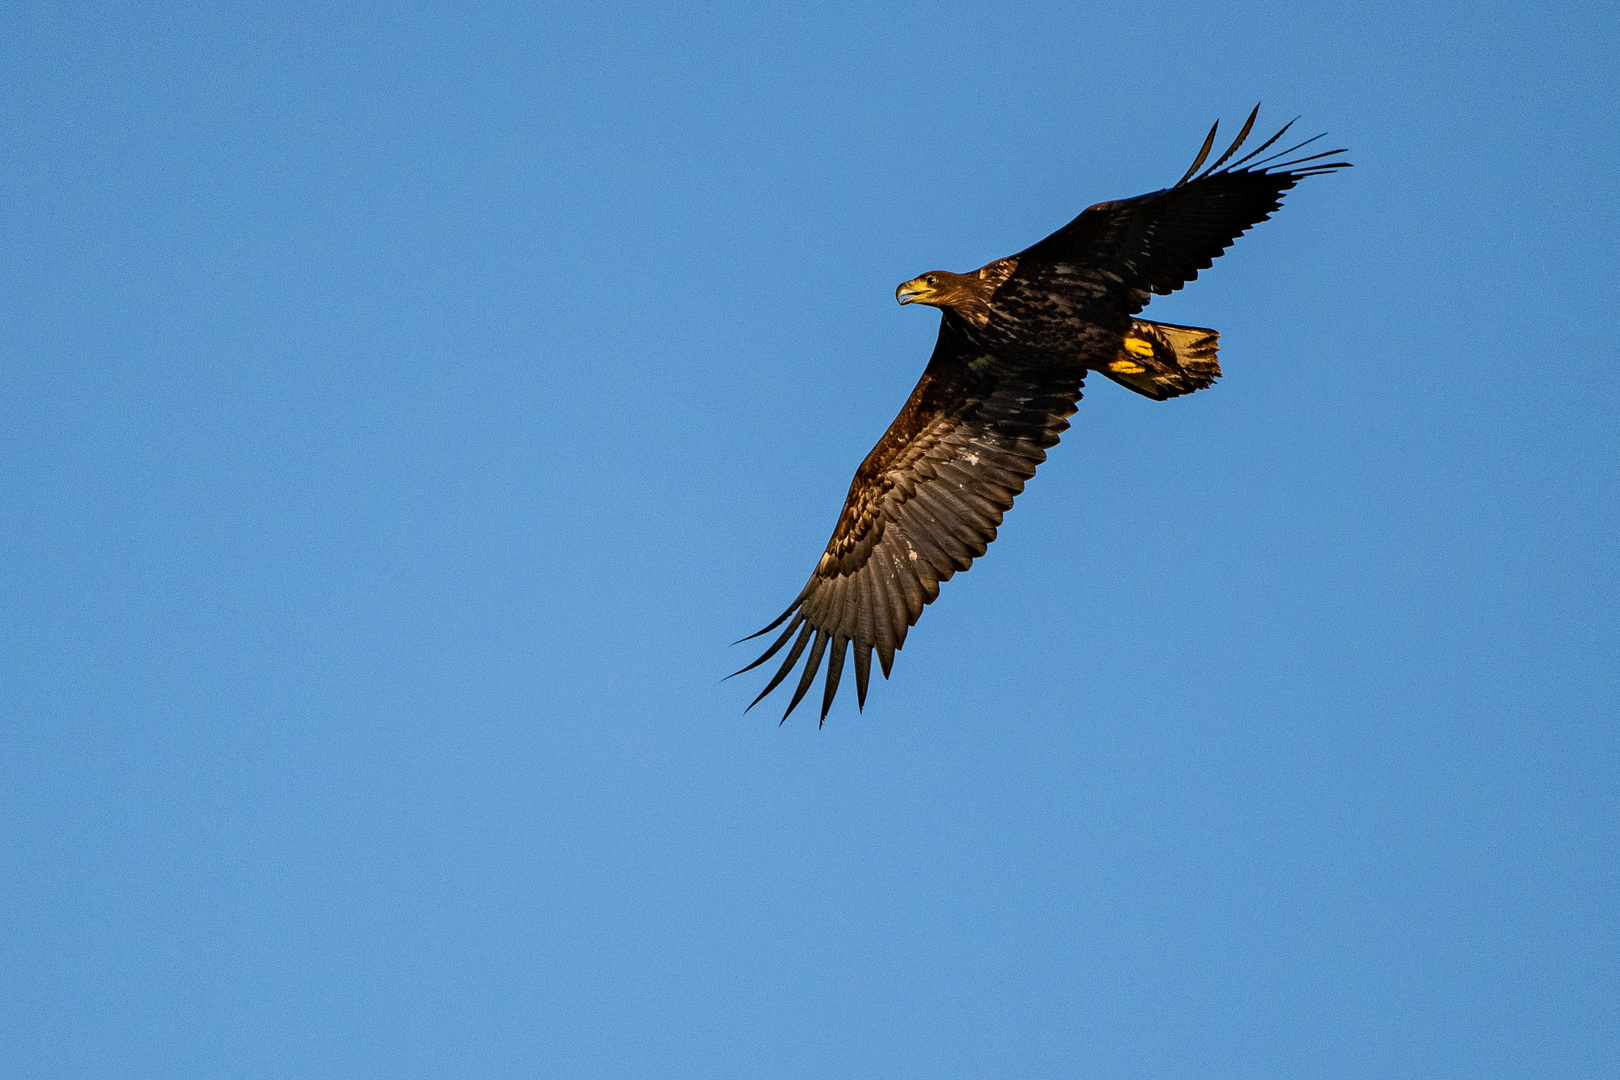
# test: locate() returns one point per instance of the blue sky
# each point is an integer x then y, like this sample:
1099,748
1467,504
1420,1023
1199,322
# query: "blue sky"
403,409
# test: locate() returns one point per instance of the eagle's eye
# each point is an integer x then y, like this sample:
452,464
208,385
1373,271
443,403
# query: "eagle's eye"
930,281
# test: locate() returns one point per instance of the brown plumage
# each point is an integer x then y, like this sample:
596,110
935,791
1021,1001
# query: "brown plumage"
1016,339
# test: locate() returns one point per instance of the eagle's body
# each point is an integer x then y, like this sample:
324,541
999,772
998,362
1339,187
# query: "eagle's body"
1016,339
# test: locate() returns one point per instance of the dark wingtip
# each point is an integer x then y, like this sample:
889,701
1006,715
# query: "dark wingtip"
1262,147
787,665
1293,167
835,672
778,621
1285,153
811,666
770,652
1209,141
1248,126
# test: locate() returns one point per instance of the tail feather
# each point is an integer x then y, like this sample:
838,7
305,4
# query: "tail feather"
1163,360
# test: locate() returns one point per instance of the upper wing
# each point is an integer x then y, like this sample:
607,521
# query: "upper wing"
924,504
1156,243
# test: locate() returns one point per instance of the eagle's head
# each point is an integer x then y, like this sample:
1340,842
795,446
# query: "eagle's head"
940,288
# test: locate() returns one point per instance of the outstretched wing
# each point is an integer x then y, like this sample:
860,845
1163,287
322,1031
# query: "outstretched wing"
1156,243
924,504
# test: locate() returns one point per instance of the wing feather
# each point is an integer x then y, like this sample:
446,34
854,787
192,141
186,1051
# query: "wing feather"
787,665
835,670
940,565
811,666
1248,126
910,588
774,649
863,674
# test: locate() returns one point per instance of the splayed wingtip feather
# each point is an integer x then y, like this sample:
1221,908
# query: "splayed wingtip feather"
770,652
863,673
787,665
1285,153
1209,141
835,672
1248,125
1263,146
779,619
811,666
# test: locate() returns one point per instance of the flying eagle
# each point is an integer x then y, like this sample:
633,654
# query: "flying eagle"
1016,338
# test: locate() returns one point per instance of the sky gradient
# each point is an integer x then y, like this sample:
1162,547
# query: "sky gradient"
402,410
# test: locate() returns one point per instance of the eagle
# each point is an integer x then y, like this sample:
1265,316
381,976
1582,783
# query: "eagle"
1016,339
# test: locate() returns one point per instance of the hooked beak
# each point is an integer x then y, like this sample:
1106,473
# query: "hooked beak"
911,291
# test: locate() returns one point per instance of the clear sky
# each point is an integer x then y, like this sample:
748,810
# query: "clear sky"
404,408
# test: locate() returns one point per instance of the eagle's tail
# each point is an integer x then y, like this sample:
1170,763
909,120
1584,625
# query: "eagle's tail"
1162,360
